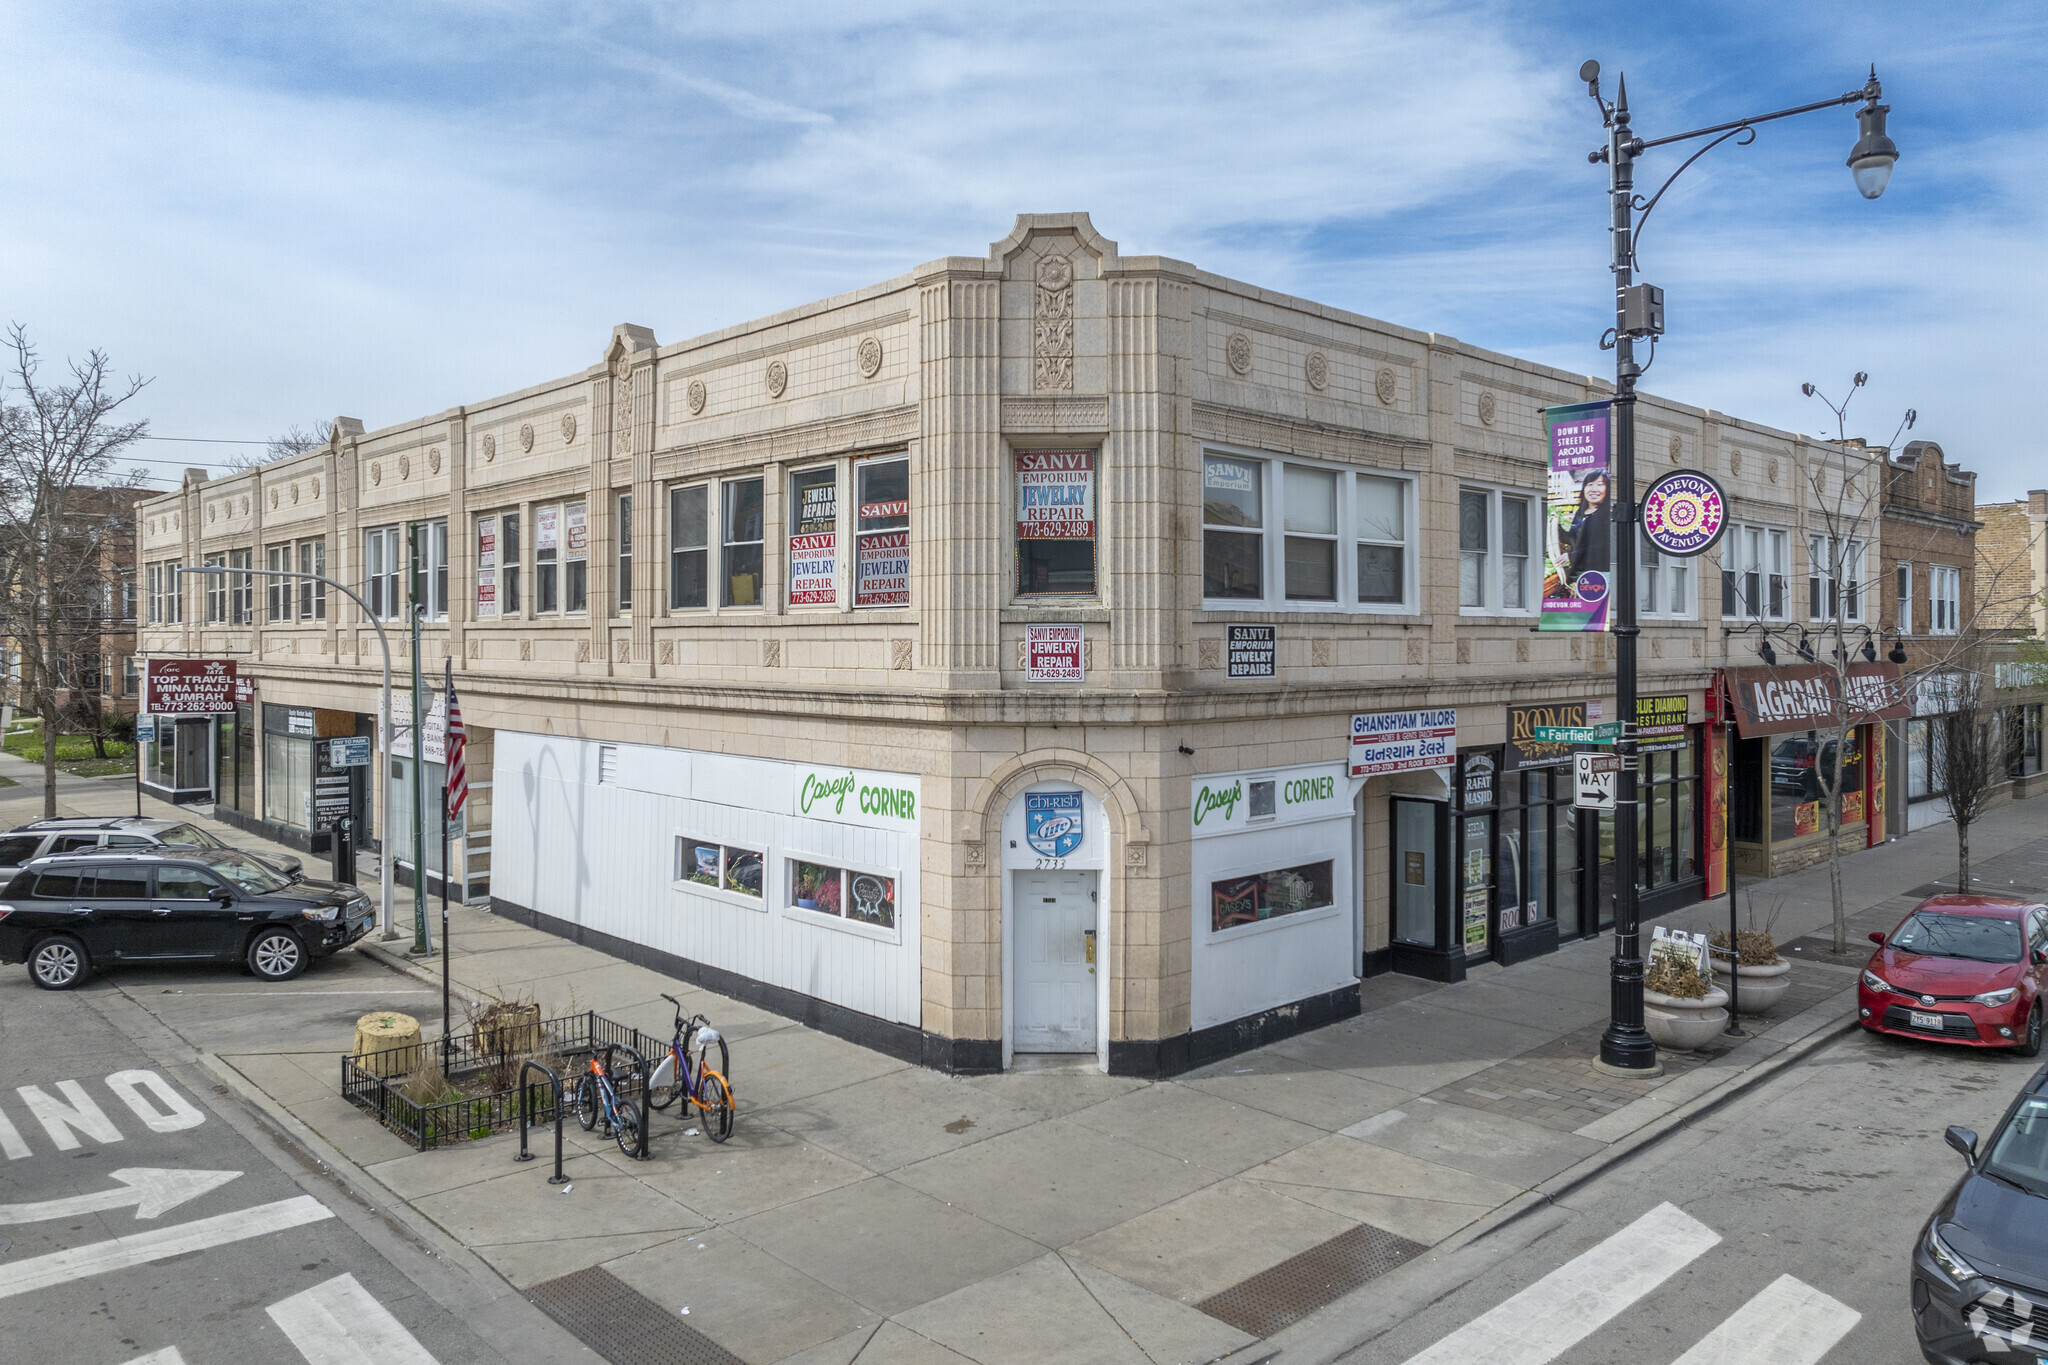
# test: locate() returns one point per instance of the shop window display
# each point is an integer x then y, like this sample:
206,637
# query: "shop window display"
863,897
723,866
1270,895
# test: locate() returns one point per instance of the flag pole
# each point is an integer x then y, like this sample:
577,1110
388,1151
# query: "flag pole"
447,701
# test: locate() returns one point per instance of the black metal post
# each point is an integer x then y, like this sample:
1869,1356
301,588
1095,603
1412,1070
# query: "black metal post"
1626,1045
530,1065
1734,1029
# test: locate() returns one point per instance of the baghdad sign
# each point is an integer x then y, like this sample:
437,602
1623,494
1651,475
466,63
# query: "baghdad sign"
189,687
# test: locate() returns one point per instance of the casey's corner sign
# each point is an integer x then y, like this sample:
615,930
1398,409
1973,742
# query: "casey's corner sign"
1403,741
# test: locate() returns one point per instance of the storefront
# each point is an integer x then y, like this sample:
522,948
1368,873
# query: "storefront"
1934,699
2022,686
304,792
1277,916
1793,762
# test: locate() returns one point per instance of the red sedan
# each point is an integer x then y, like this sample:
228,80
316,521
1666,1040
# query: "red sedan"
1964,969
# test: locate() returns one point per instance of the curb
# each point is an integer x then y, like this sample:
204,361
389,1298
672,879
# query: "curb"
1320,1337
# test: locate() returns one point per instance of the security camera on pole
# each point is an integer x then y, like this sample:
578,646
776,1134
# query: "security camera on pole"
1625,1048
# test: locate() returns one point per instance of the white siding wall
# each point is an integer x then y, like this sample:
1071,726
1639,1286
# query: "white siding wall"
603,855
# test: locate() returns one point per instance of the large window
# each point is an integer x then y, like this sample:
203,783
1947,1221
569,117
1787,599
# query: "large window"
313,568
383,573
1902,595
625,602
242,588
1664,585
1312,560
1926,747
723,867
1944,598
1493,550
1755,569
429,545
843,892
216,591
547,559
575,557
743,533
689,532
1269,895
2023,732
882,533
1802,771
812,569
278,589
510,561
1054,509
166,593
127,598
1834,578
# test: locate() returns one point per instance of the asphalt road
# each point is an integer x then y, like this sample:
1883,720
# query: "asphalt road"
255,1263
1791,1210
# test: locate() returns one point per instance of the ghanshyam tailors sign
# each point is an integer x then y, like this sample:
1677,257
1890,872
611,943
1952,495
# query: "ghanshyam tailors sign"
1578,520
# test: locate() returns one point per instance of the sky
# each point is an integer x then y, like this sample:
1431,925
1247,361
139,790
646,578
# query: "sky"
284,212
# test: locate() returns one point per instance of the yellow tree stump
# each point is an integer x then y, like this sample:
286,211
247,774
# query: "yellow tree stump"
388,1044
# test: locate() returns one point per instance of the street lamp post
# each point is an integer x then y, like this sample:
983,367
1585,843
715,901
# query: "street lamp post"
1639,314
388,848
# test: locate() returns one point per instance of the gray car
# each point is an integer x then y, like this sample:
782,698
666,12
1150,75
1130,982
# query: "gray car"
90,833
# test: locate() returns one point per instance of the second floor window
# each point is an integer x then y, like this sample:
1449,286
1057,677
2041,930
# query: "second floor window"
241,588
1755,569
1493,550
165,606
383,573
429,577
547,559
312,592
1944,598
509,562
688,546
575,557
743,540
813,537
1313,559
1055,521
216,591
1664,583
1902,595
1834,579
625,602
882,533
277,591
127,599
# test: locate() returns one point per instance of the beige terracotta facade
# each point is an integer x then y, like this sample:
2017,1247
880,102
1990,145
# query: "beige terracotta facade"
1053,340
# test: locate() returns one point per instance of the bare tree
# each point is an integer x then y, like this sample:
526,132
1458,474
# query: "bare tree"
296,440
1975,750
58,443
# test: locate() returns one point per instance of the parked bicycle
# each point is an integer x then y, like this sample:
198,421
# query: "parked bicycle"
597,1096
695,1080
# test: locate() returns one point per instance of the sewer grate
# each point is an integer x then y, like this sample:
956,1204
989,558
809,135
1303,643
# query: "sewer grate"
1299,1285
623,1325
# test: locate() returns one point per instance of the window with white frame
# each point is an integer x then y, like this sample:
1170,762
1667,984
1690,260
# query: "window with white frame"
1944,598
735,870
1664,584
1903,596
1313,560
1755,573
1493,550
242,589
1834,578
575,557
625,556
127,598
428,546
689,522
383,572
313,573
278,589
547,559
744,522
881,564
216,591
847,893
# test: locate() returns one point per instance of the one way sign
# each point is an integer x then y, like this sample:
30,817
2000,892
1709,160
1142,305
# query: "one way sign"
1596,778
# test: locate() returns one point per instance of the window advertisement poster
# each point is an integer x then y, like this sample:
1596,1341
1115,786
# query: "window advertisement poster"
1578,520
1403,741
1661,723
1251,651
1055,495
547,528
487,566
882,577
579,530
1053,654
813,538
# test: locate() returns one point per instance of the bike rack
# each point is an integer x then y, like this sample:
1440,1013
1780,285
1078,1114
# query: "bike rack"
640,1154
557,1178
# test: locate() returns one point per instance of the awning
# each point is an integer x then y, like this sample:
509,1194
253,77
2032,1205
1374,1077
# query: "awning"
1799,697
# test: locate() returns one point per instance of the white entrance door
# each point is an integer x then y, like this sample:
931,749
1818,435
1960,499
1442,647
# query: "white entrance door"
1055,923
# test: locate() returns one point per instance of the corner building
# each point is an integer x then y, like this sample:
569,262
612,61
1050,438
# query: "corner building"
967,664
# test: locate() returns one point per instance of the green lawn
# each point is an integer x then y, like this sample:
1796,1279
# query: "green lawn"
74,753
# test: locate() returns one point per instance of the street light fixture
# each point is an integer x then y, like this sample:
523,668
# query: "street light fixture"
1639,314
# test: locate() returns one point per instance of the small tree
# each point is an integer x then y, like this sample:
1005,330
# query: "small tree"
1972,761
296,440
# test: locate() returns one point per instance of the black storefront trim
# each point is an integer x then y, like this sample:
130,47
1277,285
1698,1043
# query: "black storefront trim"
904,1042
1377,962
1160,1058
1532,940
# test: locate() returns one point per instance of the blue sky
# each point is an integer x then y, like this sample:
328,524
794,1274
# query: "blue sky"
282,212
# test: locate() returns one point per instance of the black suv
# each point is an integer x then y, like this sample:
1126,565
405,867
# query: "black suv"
1980,1267
66,915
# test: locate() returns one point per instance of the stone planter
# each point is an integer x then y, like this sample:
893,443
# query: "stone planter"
1679,1025
1761,987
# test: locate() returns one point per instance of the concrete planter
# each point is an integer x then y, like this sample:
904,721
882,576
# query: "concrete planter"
1762,987
1679,1025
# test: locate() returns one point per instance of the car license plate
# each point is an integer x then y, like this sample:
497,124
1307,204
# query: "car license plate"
1921,1020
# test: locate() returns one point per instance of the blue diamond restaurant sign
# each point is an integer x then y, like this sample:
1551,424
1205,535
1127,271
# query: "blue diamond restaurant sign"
1052,822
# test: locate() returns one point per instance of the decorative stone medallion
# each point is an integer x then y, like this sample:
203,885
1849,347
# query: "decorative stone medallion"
1384,388
1318,368
273,492
1677,449
295,495
1771,469
1238,351
526,436
1052,325
490,447
404,468
697,395
245,504
1734,462
1487,408
434,459
778,378
869,354
568,428
211,508
316,488
376,474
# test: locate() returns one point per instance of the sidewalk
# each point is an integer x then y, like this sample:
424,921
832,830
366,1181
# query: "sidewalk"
873,1210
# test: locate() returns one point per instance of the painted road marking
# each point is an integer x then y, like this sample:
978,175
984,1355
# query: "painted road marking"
140,1248
167,1356
152,1191
1573,1301
1790,1323
64,1122
177,1114
338,1323
151,1098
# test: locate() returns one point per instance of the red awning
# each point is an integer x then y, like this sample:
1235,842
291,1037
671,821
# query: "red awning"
1798,697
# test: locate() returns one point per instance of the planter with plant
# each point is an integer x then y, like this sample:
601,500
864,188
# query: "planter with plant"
1682,1009
1764,976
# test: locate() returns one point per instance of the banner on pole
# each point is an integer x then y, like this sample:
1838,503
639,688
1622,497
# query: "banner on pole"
1578,520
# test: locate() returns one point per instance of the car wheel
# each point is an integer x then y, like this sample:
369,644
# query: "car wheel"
58,963
277,955
2030,1045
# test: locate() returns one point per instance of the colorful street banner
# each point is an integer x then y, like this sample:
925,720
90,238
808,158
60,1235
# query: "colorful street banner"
1578,520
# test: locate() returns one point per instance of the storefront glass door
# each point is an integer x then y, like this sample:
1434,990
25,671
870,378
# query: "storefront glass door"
1475,884
1415,872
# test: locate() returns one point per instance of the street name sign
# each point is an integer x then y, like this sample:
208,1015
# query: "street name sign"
1577,734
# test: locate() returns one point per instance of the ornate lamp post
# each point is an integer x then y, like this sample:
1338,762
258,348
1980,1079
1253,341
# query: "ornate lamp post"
1638,314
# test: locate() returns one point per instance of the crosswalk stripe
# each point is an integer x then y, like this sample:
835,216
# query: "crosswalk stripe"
121,1253
167,1356
338,1323
1573,1301
1789,1323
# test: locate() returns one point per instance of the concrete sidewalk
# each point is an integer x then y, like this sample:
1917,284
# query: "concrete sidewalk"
869,1209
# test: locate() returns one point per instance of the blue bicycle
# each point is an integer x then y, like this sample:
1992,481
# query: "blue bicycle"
598,1097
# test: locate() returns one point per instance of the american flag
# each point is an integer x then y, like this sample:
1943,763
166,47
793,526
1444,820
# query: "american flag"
458,740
